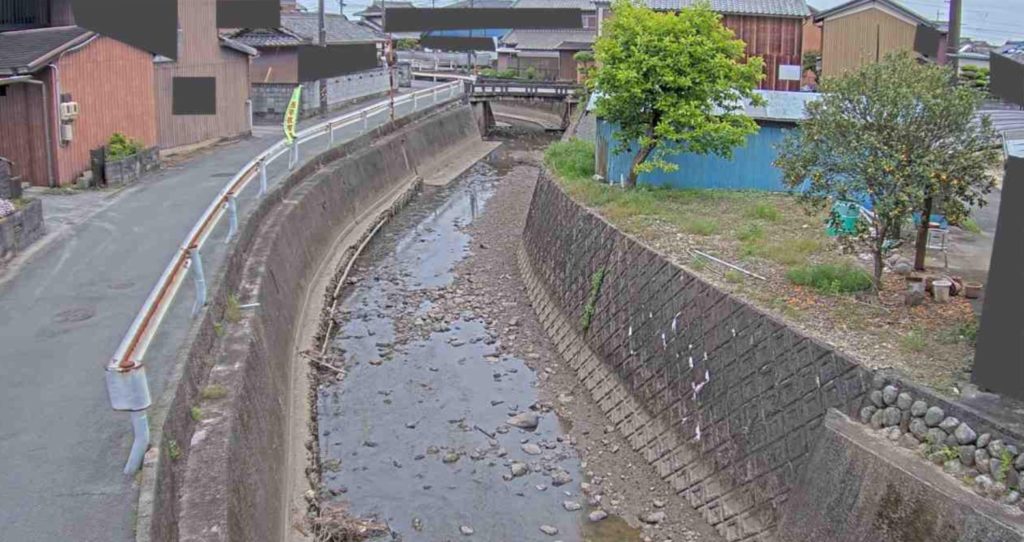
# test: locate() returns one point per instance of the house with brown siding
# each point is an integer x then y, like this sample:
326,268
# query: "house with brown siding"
202,52
772,30
45,61
862,32
549,53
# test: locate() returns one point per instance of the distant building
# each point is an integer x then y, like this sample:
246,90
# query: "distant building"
45,63
772,30
549,53
373,17
275,73
202,52
863,32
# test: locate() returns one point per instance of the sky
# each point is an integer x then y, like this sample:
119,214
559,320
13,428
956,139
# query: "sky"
995,21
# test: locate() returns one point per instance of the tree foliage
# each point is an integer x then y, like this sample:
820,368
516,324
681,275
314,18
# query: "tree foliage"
673,82
898,134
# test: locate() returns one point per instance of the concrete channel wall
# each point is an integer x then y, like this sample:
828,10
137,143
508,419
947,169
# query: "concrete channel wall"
728,403
221,470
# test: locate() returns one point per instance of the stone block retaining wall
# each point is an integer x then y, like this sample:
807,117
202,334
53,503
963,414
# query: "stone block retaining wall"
270,100
128,170
224,477
21,229
724,400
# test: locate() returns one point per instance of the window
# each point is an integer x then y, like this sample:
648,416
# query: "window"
589,21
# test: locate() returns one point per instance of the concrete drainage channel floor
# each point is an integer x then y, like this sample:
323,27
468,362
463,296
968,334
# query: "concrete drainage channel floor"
415,435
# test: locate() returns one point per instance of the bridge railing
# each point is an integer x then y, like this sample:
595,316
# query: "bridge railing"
127,384
516,87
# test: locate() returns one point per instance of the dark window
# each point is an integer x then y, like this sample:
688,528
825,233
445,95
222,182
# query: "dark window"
3,90
590,22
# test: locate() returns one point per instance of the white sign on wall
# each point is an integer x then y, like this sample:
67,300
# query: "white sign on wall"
789,72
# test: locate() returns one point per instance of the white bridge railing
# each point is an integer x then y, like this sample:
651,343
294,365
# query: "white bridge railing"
127,385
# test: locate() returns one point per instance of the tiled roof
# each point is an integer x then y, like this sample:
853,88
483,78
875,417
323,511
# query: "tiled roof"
549,40
24,50
560,4
771,8
481,4
824,14
339,28
267,37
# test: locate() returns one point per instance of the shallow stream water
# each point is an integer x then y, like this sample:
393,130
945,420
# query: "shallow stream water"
415,435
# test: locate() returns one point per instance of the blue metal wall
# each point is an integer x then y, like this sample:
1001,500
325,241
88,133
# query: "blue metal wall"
749,169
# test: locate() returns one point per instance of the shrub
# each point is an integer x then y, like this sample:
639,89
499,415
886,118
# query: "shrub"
573,159
831,279
121,146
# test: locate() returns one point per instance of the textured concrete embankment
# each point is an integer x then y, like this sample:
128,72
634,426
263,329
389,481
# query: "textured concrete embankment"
724,400
220,472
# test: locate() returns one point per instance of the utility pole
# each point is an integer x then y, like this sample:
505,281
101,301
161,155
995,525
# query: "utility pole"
323,43
953,44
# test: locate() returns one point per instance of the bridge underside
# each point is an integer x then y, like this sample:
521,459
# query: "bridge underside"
554,115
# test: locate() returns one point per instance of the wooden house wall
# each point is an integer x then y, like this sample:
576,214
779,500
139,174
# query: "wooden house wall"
851,41
200,54
276,65
22,133
777,40
113,85
61,13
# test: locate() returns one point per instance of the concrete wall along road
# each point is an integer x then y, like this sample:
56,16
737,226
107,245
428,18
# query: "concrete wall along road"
227,478
727,403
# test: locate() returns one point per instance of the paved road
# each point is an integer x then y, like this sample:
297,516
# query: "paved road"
62,314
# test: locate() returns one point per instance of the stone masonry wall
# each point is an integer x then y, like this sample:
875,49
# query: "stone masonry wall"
270,100
724,400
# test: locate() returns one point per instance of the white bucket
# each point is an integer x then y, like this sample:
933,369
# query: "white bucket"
940,289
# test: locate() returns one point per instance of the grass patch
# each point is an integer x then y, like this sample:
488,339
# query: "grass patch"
734,276
793,251
698,263
831,279
750,233
232,309
969,225
914,341
701,226
213,392
196,413
573,159
764,211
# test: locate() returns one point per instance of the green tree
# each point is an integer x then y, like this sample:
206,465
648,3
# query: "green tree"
673,82
900,134
812,62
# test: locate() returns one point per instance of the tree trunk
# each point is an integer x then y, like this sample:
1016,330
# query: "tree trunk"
637,160
921,248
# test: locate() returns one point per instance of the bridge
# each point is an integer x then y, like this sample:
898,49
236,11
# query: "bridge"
550,104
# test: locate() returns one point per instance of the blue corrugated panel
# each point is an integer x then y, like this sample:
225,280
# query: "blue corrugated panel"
751,167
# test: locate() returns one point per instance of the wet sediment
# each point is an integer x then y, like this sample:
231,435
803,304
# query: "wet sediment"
454,418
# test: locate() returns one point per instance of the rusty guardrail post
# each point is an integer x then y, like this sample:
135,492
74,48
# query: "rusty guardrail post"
128,390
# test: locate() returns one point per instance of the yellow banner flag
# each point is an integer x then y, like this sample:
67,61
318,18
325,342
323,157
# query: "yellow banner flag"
291,115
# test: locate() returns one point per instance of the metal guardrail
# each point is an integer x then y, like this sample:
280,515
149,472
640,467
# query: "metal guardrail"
127,385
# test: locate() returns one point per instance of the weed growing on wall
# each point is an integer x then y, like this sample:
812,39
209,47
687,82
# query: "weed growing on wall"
595,291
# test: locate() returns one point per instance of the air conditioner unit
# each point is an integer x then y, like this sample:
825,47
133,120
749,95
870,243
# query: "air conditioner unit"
68,111
65,132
